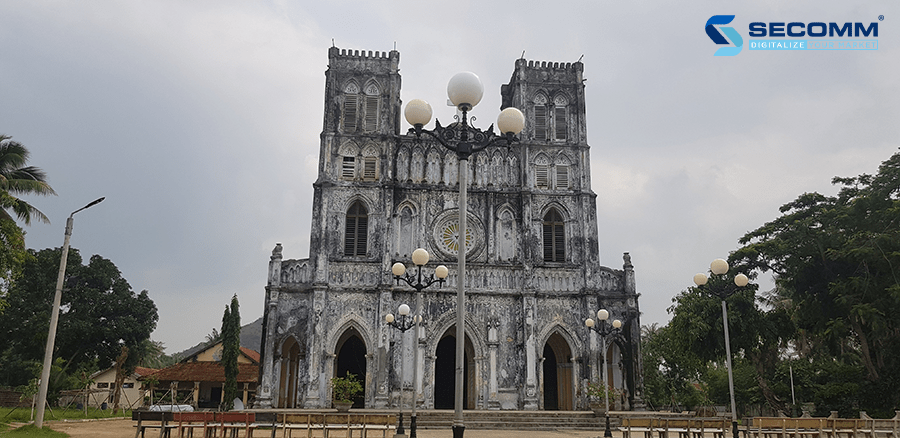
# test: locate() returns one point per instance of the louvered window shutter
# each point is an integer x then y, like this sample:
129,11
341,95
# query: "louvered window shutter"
559,242
540,122
356,230
561,123
350,236
554,237
541,176
548,242
362,230
348,168
350,110
371,124
369,168
562,177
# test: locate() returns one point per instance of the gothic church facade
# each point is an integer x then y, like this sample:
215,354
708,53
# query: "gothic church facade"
533,262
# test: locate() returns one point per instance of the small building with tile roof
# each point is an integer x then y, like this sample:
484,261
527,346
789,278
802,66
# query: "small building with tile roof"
198,379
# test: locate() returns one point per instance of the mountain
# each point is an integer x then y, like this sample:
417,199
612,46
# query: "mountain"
251,337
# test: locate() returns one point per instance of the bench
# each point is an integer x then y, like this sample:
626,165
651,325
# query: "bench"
233,422
837,427
783,427
643,425
334,425
191,421
159,420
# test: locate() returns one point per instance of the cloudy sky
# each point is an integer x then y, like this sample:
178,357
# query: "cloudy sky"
199,122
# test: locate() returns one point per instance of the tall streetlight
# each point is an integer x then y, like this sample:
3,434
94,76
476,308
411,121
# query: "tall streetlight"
604,330
403,324
465,91
54,318
420,258
720,267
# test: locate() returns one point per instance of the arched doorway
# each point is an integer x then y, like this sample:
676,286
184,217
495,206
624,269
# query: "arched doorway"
351,358
445,372
290,369
557,367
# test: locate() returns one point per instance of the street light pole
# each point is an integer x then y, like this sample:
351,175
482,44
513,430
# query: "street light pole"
720,267
420,258
465,91
54,318
403,324
604,330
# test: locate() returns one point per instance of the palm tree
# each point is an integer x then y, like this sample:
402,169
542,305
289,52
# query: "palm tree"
17,179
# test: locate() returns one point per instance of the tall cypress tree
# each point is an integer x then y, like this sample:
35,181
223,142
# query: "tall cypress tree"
231,349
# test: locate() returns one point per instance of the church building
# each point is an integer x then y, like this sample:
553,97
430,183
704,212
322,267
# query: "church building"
533,273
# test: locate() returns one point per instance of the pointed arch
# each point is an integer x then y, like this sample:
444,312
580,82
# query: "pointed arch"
350,346
406,229
541,116
372,105
557,371
498,175
417,165
444,333
403,159
554,235
290,352
542,170
356,230
433,166
507,233
350,107
370,167
451,170
561,171
348,153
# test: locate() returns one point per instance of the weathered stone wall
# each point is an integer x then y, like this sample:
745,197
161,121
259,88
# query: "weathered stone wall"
517,304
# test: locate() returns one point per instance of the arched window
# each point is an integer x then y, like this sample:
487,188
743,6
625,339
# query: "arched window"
541,118
554,237
371,118
560,118
355,232
350,110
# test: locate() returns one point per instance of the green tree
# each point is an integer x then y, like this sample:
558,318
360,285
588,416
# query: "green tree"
755,334
99,314
231,350
12,256
18,179
837,262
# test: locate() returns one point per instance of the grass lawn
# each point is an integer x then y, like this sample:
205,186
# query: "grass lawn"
23,415
31,431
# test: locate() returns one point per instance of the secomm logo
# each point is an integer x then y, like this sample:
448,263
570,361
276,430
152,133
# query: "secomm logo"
717,37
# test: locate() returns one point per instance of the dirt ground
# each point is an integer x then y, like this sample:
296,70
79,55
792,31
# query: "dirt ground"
125,429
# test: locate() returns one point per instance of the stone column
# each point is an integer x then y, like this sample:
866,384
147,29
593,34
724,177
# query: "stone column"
269,379
317,391
196,394
493,344
531,387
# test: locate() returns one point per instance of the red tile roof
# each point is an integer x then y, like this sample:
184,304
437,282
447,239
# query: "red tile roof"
205,372
142,371
252,354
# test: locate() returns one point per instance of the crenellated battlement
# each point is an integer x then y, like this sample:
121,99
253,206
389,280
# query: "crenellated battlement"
545,65
364,60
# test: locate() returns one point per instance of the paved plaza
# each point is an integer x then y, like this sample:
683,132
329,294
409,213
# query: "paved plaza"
125,429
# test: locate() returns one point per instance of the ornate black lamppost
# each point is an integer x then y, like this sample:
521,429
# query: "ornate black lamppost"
465,91
603,329
420,258
719,267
